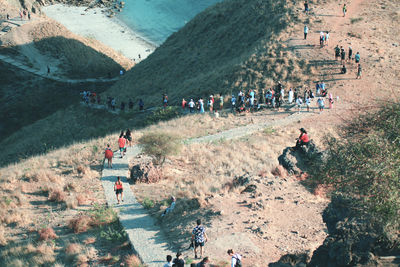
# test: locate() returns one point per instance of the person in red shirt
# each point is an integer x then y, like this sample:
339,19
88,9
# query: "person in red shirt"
121,144
303,139
184,104
109,155
118,188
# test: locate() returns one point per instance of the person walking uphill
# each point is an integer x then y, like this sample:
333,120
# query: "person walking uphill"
199,237
236,259
108,154
118,188
122,144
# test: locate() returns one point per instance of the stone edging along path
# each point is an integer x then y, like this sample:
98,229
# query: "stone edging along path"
42,74
146,238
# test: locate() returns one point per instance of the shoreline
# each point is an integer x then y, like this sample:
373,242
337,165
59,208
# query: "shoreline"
93,23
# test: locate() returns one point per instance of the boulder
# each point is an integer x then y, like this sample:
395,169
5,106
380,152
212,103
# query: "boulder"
145,172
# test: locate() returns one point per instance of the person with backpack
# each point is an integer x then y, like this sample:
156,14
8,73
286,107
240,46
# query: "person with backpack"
203,263
199,237
178,261
118,188
169,261
236,259
122,144
108,154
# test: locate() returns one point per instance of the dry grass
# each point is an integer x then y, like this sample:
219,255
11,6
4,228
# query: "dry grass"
46,234
80,224
133,261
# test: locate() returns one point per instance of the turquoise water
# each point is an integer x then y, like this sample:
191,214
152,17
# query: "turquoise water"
155,20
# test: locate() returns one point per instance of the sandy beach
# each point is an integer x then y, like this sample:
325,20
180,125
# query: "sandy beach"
109,31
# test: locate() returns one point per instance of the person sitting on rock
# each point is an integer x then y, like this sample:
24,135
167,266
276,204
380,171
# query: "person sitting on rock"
171,207
303,139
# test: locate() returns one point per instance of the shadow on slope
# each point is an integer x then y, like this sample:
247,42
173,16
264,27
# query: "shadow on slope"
231,45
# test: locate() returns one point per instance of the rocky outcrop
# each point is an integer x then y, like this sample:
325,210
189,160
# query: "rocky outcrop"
353,239
145,172
296,162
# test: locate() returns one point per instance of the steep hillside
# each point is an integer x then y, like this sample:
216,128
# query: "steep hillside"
231,45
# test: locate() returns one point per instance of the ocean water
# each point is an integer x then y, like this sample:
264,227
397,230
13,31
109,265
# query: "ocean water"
155,20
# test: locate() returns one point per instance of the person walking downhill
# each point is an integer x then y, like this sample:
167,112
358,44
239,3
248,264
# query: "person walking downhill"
236,259
121,144
118,188
199,237
344,10
305,32
108,154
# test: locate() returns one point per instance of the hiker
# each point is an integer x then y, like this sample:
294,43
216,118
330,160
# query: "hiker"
141,104
306,8
169,261
29,15
121,144
322,87
359,70
199,237
191,106
305,32
344,10
130,103
20,15
121,72
343,70
290,96
350,53
357,57
201,105
299,103
342,55
113,104
303,139
233,104
108,154
235,258
203,263
122,106
165,100
118,188
326,38
321,39
321,104
252,97
337,52
210,103
48,70
330,101
308,102
178,261
8,17
221,102
171,207
183,104
128,137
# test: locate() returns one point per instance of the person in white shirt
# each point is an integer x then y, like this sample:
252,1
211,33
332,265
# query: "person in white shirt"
171,207
235,258
291,95
299,102
169,261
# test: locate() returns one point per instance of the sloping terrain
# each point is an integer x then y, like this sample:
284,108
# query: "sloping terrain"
232,45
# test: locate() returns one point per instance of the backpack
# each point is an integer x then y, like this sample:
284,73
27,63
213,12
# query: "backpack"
238,262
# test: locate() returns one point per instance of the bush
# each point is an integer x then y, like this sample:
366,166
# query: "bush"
160,145
80,224
163,114
147,203
101,215
47,233
364,163
133,261
113,234
57,195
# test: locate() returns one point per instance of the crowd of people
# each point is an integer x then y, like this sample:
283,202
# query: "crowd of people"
111,103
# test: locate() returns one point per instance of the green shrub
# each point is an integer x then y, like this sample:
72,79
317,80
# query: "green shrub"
101,214
148,203
113,233
163,114
160,145
355,20
365,163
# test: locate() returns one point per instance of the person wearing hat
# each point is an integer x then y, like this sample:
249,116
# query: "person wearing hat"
303,139
178,261
171,207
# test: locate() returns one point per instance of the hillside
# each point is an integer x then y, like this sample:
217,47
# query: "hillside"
230,46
